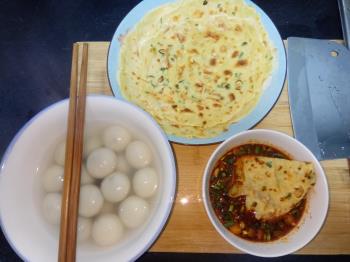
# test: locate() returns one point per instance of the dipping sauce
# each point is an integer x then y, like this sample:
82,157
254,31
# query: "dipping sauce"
233,211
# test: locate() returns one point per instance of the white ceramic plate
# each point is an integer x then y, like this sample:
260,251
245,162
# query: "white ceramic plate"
267,100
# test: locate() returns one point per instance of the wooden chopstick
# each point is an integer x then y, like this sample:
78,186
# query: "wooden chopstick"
69,156
77,158
73,158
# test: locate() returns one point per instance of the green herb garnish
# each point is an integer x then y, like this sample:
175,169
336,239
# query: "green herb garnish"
229,224
229,159
257,150
230,209
269,164
153,49
218,186
153,84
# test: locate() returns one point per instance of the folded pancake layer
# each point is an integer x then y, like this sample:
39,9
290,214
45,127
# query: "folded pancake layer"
272,186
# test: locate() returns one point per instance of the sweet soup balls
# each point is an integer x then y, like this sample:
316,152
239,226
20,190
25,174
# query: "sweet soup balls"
115,187
101,162
90,200
133,211
107,229
53,179
118,184
138,154
145,182
116,138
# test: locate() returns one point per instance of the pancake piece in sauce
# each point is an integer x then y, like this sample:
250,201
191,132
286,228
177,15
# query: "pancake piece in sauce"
272,186
258,193
196,66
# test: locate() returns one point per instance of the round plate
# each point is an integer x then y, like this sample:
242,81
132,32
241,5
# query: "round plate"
266,102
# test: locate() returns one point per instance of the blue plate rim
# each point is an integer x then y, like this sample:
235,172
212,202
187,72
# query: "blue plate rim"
267,100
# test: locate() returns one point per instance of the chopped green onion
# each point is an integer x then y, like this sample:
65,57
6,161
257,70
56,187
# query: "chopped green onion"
229,224
218,186
257,150
230,209
229,160
153,84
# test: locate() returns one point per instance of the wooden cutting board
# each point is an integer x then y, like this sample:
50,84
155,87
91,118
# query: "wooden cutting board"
188,228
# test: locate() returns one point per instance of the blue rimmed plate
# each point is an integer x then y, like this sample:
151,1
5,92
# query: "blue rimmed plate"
267,100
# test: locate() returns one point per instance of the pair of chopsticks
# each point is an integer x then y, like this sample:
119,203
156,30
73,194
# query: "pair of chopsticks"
73,158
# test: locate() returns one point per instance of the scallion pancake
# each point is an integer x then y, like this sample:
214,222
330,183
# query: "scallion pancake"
272,186
196,66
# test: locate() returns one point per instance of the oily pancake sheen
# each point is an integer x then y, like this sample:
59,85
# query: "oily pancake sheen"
196,66
272,186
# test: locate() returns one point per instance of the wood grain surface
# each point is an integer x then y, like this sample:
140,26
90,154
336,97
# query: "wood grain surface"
188,228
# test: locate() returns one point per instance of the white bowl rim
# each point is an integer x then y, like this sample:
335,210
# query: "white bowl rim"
173,170
207,203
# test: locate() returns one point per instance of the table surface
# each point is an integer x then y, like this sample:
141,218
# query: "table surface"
333,238
35,48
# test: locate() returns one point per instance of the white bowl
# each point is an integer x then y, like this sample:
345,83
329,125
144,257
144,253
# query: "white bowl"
28,154
317,202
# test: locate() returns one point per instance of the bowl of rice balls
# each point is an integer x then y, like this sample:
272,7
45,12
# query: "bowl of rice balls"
128,183
265,193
